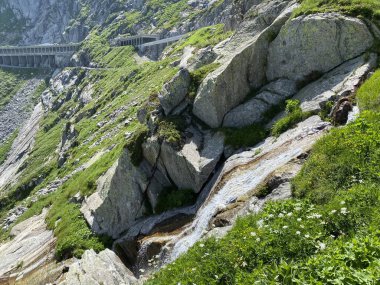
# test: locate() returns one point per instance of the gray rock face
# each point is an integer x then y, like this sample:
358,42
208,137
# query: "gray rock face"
244,70
31,246
9,170
45,22
17,111
104,268
340,82
121,189
174,91
190,167
254,110
315,44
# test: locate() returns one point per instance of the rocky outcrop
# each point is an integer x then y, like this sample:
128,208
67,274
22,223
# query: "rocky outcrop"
174,91
122,188
242,174
17,111
44,22
191,166
9,170
104,268
341,82
304,49
315,44
240,72
67,142
254,110
31,247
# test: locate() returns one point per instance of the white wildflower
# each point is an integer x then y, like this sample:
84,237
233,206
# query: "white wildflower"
244,264
344,211
280,215
307,236
253,234
299,220
298,209
290,214
285,227
342,202
298,232
333,211
258,239
201,245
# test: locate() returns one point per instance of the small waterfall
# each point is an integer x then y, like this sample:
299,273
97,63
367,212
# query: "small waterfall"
275,153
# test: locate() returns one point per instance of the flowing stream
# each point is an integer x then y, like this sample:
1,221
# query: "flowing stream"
275,154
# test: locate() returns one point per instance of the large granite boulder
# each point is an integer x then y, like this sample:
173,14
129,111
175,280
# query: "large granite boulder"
191,166
315,44
104,268
120,198
244,70
175,91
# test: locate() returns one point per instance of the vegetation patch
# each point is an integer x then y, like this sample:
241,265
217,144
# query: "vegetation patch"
368,96
6,147
294,115
203,37
369,9
198,75
170,129
327,234
134,145
171,198
244,137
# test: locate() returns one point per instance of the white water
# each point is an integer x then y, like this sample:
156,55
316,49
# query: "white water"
276,154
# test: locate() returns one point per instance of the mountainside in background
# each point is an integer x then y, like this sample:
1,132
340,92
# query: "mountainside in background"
245,152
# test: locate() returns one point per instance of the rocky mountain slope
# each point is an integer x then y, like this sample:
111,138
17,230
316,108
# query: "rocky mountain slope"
145,166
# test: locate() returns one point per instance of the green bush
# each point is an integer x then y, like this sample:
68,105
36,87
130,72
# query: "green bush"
294,115
244,137
134,145
174,198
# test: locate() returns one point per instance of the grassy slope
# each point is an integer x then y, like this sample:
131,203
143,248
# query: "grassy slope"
328,234
121,88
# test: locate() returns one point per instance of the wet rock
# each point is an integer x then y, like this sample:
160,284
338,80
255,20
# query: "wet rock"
315,44
175,91
104,268
341,111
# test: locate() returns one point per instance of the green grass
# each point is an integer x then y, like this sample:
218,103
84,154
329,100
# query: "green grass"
369,9
198,75
203,37
294,115
6,147
328,234
244,137
119,91
368,96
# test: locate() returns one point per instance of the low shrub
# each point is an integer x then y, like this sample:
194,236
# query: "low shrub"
174,198
294,115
